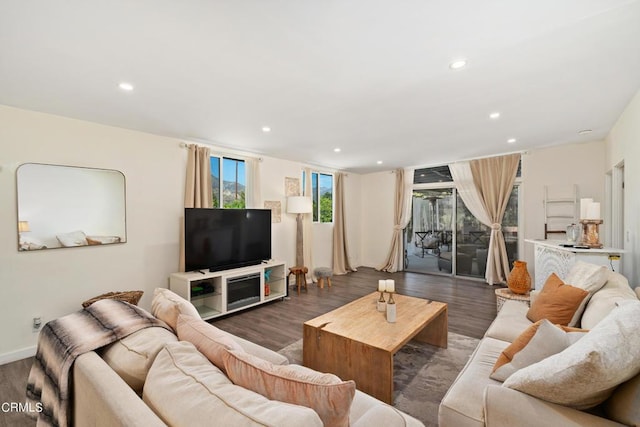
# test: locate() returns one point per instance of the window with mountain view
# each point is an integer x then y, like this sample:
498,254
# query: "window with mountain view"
228,182
322,197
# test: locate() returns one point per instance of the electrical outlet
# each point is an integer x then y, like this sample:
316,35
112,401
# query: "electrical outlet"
37,323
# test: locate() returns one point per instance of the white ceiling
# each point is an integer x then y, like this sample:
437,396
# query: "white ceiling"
368,76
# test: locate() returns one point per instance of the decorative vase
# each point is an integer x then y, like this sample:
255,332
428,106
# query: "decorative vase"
519,280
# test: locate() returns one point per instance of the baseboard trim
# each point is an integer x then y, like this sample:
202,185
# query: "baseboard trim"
17,355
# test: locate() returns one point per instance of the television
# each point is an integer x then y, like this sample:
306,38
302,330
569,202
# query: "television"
222,239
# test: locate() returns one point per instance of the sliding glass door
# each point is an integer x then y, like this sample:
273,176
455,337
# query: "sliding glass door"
429,236
434,245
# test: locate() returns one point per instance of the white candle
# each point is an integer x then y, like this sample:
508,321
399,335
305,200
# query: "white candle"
391,285
593,211
584,205
381,285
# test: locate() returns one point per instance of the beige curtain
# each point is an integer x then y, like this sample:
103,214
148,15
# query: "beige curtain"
307,228
401,217
197,192
253,195
340,250
485,186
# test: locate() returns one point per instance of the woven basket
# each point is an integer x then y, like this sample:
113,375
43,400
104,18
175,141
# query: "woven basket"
132,297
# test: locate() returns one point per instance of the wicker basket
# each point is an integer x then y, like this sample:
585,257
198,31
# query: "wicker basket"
132,297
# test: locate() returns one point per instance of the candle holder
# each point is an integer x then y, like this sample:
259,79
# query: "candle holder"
590,235
391,309
382,304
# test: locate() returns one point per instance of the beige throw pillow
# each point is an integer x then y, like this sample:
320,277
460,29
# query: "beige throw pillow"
167,306
185,390
132,356
209,340
537,342
585,374
556,302
591,278
326,394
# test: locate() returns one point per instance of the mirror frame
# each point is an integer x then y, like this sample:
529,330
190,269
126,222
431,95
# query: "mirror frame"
81,207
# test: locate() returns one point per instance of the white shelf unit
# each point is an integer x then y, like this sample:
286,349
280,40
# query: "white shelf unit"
209,291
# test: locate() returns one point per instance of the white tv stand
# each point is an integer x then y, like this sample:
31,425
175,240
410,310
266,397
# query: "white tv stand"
221,292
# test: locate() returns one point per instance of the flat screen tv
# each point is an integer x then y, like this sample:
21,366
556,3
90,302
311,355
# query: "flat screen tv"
222,239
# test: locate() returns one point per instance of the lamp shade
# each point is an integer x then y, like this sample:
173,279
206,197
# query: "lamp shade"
299,204
23,226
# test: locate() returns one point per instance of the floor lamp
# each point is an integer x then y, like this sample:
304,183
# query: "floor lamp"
299,205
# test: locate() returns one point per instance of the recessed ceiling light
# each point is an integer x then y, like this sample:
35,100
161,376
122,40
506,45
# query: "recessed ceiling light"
266,129
511,140
456,65
337,150
494,115
379,162
585,131
126,86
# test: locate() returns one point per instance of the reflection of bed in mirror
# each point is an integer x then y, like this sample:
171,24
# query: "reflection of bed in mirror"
68,206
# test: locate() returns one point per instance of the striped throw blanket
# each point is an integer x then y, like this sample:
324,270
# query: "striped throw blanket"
64,339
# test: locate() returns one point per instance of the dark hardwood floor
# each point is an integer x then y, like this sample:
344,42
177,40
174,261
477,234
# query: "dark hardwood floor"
472,308
472,305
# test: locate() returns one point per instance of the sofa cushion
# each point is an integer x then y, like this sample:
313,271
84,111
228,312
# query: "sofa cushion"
602,302
462,404
624,404
185,389
510,322
591,278
132,356
209,340
542,339
585,374
367,410
167,305
327,394
557,302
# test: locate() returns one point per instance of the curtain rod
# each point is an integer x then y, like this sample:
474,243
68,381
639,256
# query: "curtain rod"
217,151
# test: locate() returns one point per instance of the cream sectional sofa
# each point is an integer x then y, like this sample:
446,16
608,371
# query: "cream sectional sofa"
475,399
150,378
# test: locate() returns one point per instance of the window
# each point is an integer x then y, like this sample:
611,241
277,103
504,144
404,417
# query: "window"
231,188
321,196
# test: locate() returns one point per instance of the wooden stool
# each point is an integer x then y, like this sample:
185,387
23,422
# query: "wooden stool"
323,273
301,276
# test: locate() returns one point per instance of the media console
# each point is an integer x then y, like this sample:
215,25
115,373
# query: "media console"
221,292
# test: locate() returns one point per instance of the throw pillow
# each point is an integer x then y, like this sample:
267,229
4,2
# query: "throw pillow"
75,238
586,373
326,394
537,342
602,302
591,278
167,306
209,340
556,302
184,389
132,356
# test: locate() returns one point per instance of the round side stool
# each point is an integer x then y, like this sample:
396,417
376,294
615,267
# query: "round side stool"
300,272
323,273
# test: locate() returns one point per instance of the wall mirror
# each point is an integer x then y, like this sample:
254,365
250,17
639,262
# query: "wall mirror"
68,206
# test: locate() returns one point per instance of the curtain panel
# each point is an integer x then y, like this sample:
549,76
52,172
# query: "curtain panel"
197,192
340,250
401,217
485,185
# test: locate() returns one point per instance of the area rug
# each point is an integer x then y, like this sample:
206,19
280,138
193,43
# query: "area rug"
422,373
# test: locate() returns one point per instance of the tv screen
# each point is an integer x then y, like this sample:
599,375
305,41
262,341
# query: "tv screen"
222,239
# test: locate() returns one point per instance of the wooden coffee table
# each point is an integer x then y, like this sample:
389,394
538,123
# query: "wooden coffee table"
356,342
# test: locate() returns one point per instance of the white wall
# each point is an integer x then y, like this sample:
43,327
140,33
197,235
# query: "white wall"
558,168
623,144
52,283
